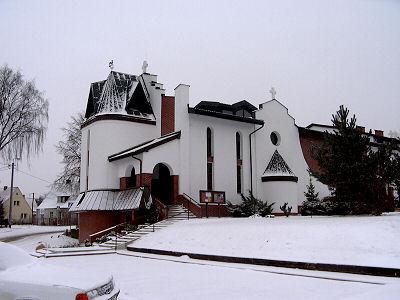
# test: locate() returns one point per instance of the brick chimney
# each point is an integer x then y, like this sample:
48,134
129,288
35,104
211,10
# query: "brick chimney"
378,132
360,129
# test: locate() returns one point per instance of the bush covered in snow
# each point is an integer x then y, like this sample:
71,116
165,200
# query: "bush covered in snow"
250,206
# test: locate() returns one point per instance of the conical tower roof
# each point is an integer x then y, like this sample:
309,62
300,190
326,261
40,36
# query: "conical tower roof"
278,170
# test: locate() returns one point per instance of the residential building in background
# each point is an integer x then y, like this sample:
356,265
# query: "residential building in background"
21,211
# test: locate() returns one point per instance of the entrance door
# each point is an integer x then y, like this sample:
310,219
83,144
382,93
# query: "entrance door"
161,184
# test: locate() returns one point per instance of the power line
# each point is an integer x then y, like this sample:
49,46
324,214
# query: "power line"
44,180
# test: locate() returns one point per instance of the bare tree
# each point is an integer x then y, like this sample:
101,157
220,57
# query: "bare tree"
70,149
23,115
394,134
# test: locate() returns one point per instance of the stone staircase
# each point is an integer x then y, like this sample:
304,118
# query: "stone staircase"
176,213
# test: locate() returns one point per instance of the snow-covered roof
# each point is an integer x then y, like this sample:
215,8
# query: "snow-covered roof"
278,169
111,200
5,193
146,146
29,200
120,93
51,200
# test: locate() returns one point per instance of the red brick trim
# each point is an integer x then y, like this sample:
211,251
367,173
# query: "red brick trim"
167,114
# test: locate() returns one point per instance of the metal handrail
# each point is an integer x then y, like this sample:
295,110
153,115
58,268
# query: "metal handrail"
105,231
191,200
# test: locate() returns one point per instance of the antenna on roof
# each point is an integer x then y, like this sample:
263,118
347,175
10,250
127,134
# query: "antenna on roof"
111,64
273,92
144,66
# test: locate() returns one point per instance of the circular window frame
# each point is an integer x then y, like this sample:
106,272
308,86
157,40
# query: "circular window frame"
275,138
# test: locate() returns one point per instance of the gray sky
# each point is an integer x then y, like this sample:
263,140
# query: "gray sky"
317,54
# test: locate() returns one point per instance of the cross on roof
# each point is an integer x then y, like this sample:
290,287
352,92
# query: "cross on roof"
144,66
273,92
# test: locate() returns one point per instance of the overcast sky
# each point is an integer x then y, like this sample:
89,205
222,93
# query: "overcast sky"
317,54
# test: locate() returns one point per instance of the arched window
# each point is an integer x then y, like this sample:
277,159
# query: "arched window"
132,178
209,142
210,159
239,162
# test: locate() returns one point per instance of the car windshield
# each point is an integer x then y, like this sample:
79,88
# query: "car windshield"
12,256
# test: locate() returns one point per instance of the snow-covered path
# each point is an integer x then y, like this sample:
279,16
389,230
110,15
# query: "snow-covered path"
180,278
19,231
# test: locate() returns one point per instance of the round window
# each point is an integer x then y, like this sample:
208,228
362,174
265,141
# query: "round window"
275,138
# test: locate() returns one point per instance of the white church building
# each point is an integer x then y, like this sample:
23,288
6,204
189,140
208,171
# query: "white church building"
140,144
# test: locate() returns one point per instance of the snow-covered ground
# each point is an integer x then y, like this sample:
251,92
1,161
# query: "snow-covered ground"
158,277
49,240
362,240
22,230
146,276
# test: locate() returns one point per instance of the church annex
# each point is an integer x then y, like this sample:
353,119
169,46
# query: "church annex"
141,145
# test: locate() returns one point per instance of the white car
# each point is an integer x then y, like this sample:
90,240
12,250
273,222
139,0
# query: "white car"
23,277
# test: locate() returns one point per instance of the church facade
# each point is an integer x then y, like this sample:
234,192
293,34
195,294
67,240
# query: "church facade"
140,144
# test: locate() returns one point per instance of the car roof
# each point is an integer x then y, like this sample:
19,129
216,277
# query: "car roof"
12,256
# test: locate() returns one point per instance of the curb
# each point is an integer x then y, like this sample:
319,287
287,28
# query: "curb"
353,269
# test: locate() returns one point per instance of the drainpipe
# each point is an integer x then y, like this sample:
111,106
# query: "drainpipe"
251,163
140,169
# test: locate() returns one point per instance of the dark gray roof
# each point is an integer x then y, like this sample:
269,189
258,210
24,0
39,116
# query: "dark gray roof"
277,166
146,146
220,107
5,193
123,82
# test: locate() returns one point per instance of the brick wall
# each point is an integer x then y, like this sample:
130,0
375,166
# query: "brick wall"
174,188
126,183
94,221
146,179
202,212
308,142
167,114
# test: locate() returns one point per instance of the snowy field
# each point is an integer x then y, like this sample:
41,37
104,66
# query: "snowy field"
364,240
158,277
23,230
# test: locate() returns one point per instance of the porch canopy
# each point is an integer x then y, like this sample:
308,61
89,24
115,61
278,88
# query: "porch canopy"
112,200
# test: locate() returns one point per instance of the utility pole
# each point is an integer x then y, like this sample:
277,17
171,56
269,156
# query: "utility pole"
33,200
11,194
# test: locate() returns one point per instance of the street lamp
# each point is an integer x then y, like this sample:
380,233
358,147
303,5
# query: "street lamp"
11,192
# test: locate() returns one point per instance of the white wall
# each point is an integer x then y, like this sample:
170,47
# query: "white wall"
155,97
277,119
182,123
224,172
167,154
108,137
280,192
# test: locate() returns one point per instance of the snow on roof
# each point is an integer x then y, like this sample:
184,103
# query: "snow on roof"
5,193
12,256
145,146
277,167
29,200
51,200
111,200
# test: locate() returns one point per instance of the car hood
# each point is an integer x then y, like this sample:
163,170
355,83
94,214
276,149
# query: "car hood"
41,273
